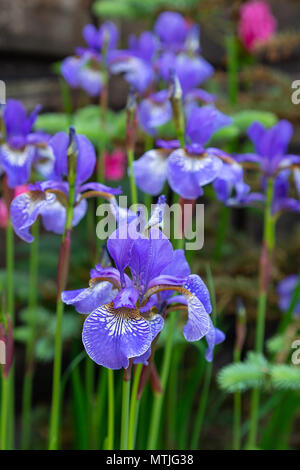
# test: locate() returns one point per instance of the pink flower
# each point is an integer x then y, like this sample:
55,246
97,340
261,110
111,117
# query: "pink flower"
3,208
257,24
3,214
115,165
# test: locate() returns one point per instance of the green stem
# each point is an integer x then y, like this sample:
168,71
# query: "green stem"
134,408
100,407
5,398
133,189
237,413
111,410
159,397
208,369
125,415
54,420
10,254
29,364
89,389
62,275
202,407
232,66
265,269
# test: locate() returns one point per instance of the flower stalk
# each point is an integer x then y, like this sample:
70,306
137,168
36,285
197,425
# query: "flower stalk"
62,274
29,372
264,280
131,129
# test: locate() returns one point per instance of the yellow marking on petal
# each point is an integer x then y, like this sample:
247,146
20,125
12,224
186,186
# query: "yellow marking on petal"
96,280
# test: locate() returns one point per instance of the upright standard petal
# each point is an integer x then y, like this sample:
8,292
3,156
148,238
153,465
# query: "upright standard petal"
112,336
86,159
149,256
203,122
172,29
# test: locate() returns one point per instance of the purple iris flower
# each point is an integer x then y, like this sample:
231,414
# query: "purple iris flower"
84,70
172,30
187,169
281,200
154,111
49,199
231,189
126,311
22,148
271,147
285,291
136,63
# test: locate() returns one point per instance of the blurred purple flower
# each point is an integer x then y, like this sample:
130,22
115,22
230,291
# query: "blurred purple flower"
231,189
270,147
84,70
154,111
172,30
125,312
49,199
22,148
285,291
187,169
136,63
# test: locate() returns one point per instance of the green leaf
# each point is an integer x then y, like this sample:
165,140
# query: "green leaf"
52,122
245,118
114,9
226,133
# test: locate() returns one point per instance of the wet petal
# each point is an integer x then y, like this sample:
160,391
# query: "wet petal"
111,337
197,287
156,325
87,300
150,171
213,338
199,322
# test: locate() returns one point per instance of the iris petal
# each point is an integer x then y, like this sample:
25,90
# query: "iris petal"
150,172
25,209
112,336
87,300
